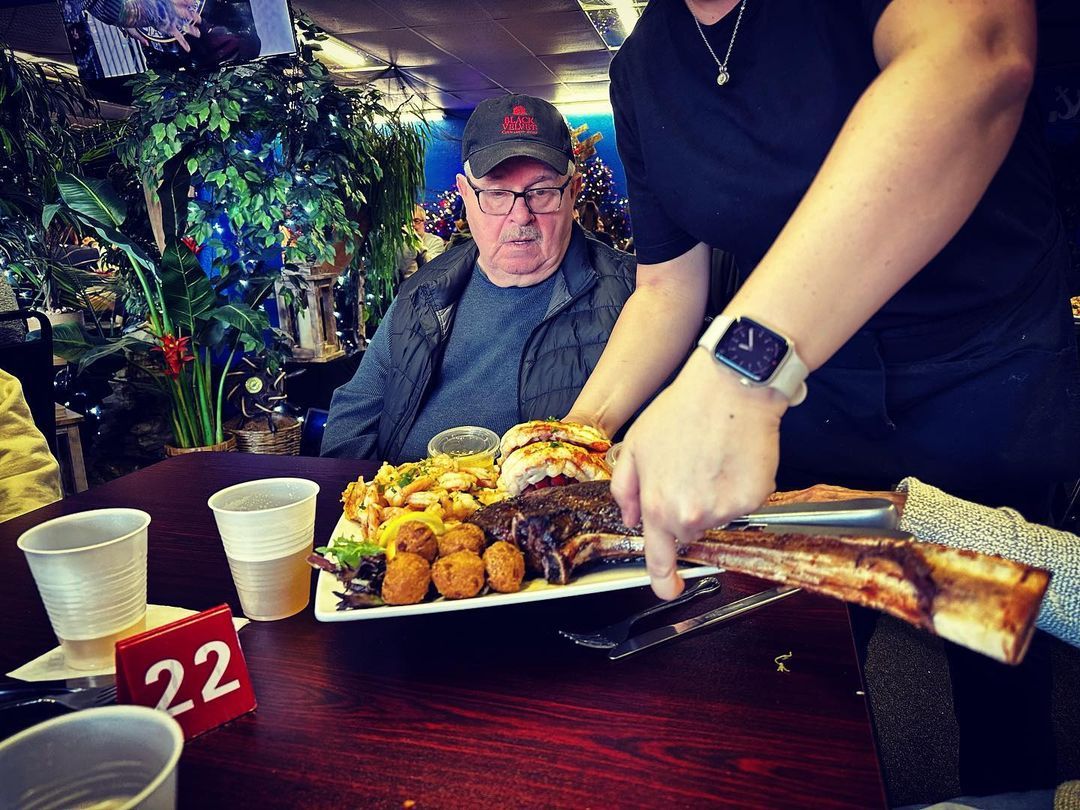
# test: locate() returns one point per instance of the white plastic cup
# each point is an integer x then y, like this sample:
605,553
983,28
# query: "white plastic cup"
90,569
267,528
115,757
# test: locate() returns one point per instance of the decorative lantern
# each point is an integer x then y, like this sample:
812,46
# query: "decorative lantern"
314,327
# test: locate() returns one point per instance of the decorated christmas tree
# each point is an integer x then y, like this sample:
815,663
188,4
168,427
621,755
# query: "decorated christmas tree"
597,184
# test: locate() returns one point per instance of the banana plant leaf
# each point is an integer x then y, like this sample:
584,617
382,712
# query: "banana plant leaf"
188,294
173,193
72,342
249,324
93,199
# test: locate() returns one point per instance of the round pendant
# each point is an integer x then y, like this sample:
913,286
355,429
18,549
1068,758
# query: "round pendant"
722,77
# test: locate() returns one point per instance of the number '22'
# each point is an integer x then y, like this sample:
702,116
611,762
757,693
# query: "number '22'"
213,688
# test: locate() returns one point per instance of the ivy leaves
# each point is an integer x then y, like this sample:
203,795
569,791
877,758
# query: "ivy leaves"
286,161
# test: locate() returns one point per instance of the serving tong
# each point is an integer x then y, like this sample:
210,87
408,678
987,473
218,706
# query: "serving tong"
871,513
865,516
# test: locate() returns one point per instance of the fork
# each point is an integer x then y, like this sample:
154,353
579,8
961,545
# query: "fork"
75,699
615,634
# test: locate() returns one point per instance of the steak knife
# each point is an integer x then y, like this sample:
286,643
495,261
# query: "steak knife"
651,638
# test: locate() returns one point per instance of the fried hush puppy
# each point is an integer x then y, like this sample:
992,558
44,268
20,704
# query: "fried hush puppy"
407,579
458,575
505,566
463,537
417,538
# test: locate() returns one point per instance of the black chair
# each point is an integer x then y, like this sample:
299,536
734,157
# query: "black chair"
314,427
31,362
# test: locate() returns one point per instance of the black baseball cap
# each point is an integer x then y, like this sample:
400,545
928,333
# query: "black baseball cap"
515,126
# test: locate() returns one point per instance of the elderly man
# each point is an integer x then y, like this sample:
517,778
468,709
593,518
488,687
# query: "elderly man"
431,245
499,330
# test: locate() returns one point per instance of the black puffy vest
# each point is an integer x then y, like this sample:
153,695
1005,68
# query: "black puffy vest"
557,359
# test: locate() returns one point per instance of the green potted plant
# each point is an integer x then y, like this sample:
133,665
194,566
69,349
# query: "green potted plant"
182,326
40,105
290,165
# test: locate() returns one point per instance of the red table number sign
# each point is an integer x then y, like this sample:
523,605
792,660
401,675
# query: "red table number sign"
192,668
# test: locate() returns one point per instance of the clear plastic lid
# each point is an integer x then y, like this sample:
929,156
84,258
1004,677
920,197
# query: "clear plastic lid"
612,455
467,441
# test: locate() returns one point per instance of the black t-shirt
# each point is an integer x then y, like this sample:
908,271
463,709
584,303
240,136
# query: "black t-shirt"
728,165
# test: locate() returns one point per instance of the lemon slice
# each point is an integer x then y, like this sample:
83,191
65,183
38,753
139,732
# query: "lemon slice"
390,530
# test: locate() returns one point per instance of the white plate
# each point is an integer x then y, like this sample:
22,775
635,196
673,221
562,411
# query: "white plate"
609,578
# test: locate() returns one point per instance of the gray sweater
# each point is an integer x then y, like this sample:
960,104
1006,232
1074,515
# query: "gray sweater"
932,515
476,383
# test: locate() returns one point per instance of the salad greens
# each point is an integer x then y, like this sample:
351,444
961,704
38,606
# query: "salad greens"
349,550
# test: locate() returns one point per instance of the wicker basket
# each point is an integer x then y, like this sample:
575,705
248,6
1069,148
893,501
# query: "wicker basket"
227,446
253,436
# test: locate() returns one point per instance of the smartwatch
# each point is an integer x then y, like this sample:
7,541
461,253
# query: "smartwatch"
760,356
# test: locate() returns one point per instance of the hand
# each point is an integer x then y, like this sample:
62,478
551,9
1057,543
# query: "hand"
582,418
705,451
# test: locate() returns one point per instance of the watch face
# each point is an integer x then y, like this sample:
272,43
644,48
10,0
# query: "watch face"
751,349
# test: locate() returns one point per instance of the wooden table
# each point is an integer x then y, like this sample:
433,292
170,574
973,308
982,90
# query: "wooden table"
486,708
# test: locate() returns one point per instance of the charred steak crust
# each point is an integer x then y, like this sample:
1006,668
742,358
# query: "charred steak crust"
542,522
496,520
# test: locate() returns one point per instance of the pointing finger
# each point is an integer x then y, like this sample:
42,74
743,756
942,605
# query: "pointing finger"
660,561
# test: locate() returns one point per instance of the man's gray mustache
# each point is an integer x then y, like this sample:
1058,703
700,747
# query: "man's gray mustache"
524,233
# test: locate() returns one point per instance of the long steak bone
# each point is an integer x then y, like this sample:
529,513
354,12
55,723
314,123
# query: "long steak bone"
986,603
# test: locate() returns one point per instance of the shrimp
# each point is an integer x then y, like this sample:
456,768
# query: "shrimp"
422,500
456,481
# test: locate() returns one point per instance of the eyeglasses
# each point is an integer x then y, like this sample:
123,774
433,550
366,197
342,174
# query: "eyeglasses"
499,201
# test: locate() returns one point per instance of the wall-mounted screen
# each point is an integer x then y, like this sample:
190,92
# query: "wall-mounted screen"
112,38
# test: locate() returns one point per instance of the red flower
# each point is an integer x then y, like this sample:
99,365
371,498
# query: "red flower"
190,242
175,351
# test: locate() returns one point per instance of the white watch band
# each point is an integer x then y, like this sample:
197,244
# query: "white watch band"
789,378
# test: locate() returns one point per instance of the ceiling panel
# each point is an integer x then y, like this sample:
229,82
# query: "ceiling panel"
476,43
454,52
352,16
504,9
584,66
414,13
400,46
452,101
569,93
473,97
455,76
563,32
513,73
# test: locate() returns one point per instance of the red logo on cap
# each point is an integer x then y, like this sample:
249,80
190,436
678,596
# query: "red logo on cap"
519,124
520,110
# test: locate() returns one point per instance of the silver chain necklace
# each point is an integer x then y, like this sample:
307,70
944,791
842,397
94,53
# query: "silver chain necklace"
722,76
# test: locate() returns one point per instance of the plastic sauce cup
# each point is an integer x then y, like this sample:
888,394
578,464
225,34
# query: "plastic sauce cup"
470,445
